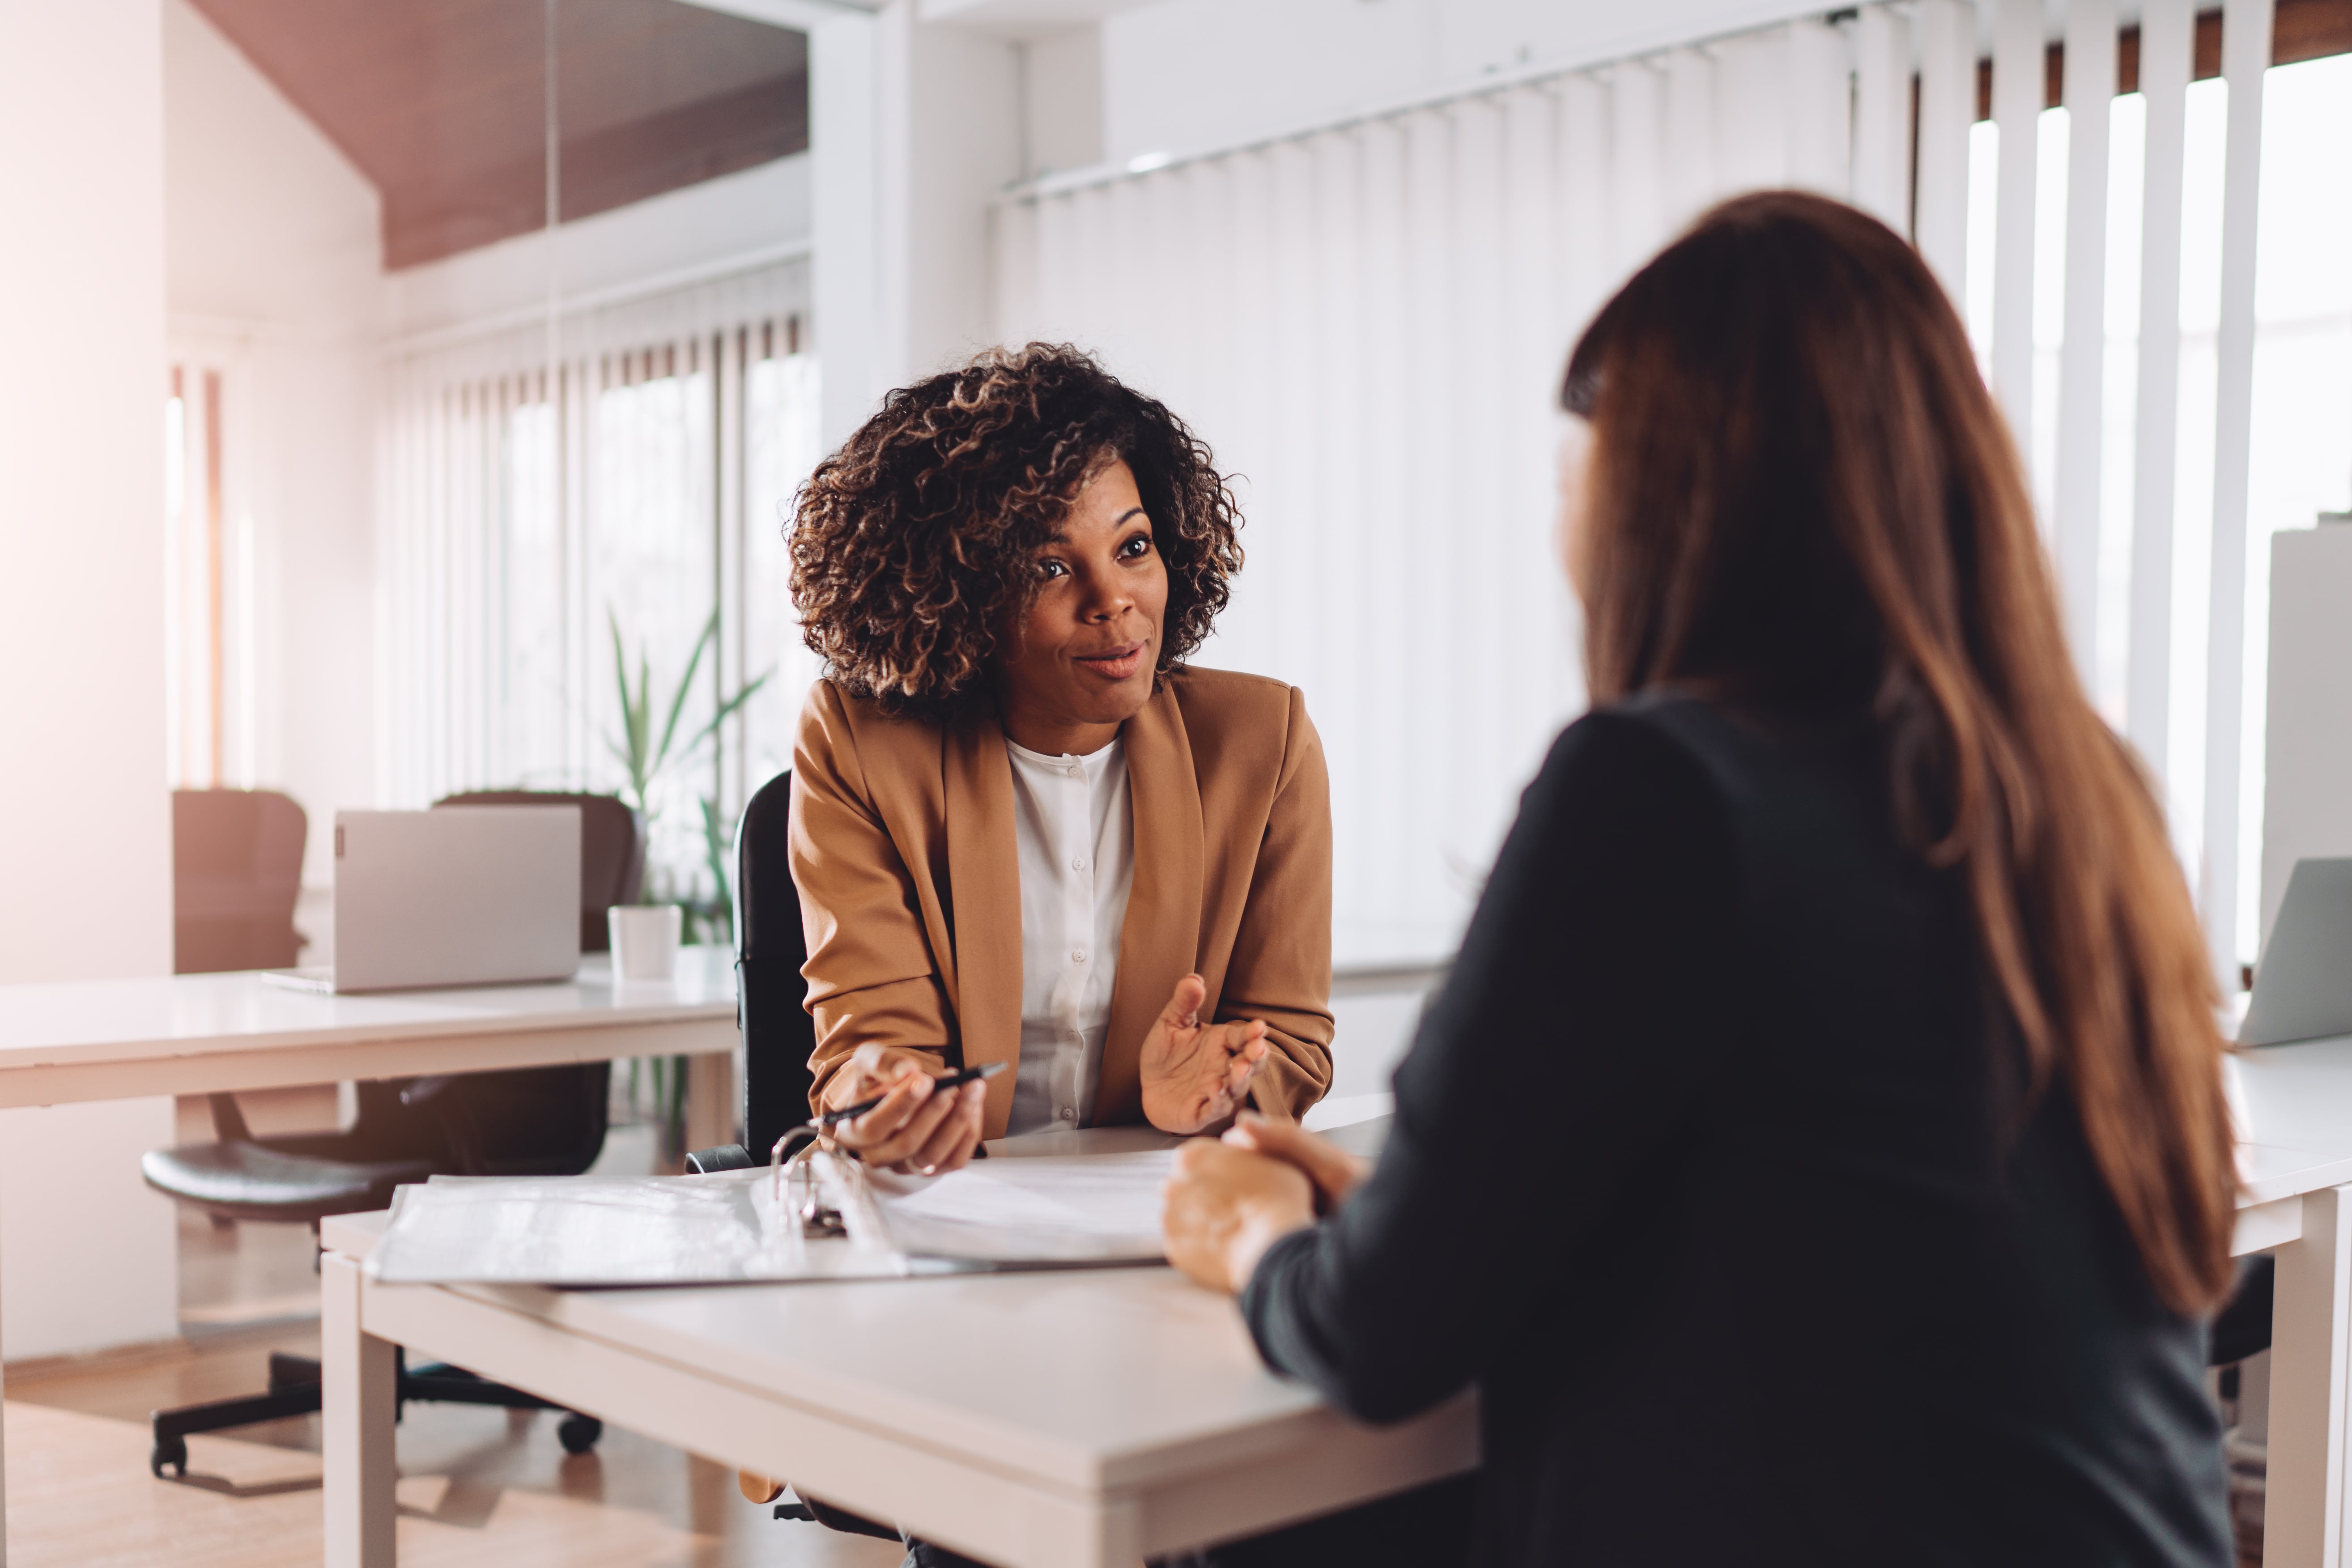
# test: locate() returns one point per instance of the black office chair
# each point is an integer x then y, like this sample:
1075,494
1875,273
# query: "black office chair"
540,1121
779,1037
236,870
2243,1327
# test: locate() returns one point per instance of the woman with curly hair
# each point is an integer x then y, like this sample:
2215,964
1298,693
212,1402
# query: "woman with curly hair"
1024,831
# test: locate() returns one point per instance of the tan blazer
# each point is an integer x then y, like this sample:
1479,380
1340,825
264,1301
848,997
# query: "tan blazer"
902,845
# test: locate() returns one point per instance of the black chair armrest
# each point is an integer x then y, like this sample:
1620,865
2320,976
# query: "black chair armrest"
418,1091
726,1157
437,1095
2243,1327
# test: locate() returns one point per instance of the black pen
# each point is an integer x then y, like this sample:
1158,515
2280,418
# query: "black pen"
946,1081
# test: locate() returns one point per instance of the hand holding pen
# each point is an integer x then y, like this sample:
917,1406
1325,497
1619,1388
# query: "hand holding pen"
892,1111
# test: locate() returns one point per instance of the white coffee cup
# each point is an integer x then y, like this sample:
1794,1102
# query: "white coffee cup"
645,940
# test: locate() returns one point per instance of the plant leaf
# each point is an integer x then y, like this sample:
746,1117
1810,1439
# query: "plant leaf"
641,724
715,847
686,690
626,750
726,710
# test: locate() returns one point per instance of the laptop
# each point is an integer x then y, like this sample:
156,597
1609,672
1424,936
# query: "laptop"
2303,986
460,895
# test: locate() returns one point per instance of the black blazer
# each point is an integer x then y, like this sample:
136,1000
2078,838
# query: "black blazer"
1695,1171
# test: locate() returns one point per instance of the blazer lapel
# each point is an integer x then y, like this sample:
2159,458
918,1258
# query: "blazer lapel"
1160,942
984,902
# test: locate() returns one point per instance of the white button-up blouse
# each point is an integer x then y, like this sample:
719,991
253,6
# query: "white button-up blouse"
1074,828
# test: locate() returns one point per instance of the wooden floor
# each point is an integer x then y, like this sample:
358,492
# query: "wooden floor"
480,1487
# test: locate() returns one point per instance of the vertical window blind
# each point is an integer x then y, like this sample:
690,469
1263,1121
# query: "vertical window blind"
1367,320
622,466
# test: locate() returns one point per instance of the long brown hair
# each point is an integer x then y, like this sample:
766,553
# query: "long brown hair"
1800,491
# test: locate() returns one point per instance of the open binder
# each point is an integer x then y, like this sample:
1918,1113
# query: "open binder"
1048,1211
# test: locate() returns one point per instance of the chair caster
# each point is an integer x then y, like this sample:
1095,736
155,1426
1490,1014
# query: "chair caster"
171,1451
578,1434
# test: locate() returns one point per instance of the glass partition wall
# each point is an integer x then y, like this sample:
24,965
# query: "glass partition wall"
491,377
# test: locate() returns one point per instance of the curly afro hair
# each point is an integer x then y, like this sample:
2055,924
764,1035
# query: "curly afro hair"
915,546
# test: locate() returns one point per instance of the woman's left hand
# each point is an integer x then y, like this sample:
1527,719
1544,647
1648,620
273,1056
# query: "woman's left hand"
1225,1206
1334,1173
1194,1073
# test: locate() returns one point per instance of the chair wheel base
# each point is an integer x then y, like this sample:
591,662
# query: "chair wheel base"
171,1451
578,1434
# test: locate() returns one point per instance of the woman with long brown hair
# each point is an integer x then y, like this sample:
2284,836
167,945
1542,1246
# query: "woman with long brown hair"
1819,1151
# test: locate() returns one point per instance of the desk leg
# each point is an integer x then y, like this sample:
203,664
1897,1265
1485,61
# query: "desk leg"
710,1109
360,1392
2303,1525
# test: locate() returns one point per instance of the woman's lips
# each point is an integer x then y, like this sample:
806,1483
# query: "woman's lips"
1118,663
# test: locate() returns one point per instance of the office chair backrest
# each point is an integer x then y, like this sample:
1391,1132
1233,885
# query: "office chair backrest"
611,851
770,947
236,870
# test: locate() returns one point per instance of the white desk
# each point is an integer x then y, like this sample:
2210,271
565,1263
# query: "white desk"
199,1034
2292,1105
1063,1420
1078,1420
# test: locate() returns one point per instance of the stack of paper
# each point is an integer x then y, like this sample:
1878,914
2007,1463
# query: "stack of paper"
1042,1212
1079,1208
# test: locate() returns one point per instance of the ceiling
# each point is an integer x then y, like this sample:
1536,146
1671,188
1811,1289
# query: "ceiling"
442,104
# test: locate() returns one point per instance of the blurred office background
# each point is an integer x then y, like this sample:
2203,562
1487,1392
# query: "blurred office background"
374,370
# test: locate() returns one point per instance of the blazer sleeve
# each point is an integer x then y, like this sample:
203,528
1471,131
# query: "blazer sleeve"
870,973
1580,1025
1280,970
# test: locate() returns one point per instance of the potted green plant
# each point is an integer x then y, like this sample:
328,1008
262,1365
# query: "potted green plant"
648,748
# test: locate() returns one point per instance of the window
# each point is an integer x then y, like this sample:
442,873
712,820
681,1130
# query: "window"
627,469
209,574
2302,422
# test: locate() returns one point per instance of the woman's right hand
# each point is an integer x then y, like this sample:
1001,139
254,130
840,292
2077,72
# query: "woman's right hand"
916,1129
1334,1172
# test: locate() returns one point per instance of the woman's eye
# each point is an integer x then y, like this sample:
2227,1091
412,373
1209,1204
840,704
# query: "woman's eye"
1137,548
1055,569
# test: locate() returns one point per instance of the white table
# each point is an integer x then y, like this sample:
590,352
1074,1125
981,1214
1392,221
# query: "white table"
1076,1420
1055,1420
2292,1105
200,1034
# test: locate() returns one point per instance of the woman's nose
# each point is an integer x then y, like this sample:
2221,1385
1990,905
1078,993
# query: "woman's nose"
1107,600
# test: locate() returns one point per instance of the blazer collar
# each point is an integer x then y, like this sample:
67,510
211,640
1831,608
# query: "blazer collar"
984,899
1160,942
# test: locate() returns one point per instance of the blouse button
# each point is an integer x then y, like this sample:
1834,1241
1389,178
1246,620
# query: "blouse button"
1068,1113
1078,863
1077,955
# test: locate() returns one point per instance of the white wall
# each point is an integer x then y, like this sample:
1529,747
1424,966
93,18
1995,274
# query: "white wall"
1188,74
87,1255
1062,101
950,139
271,242
916,127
